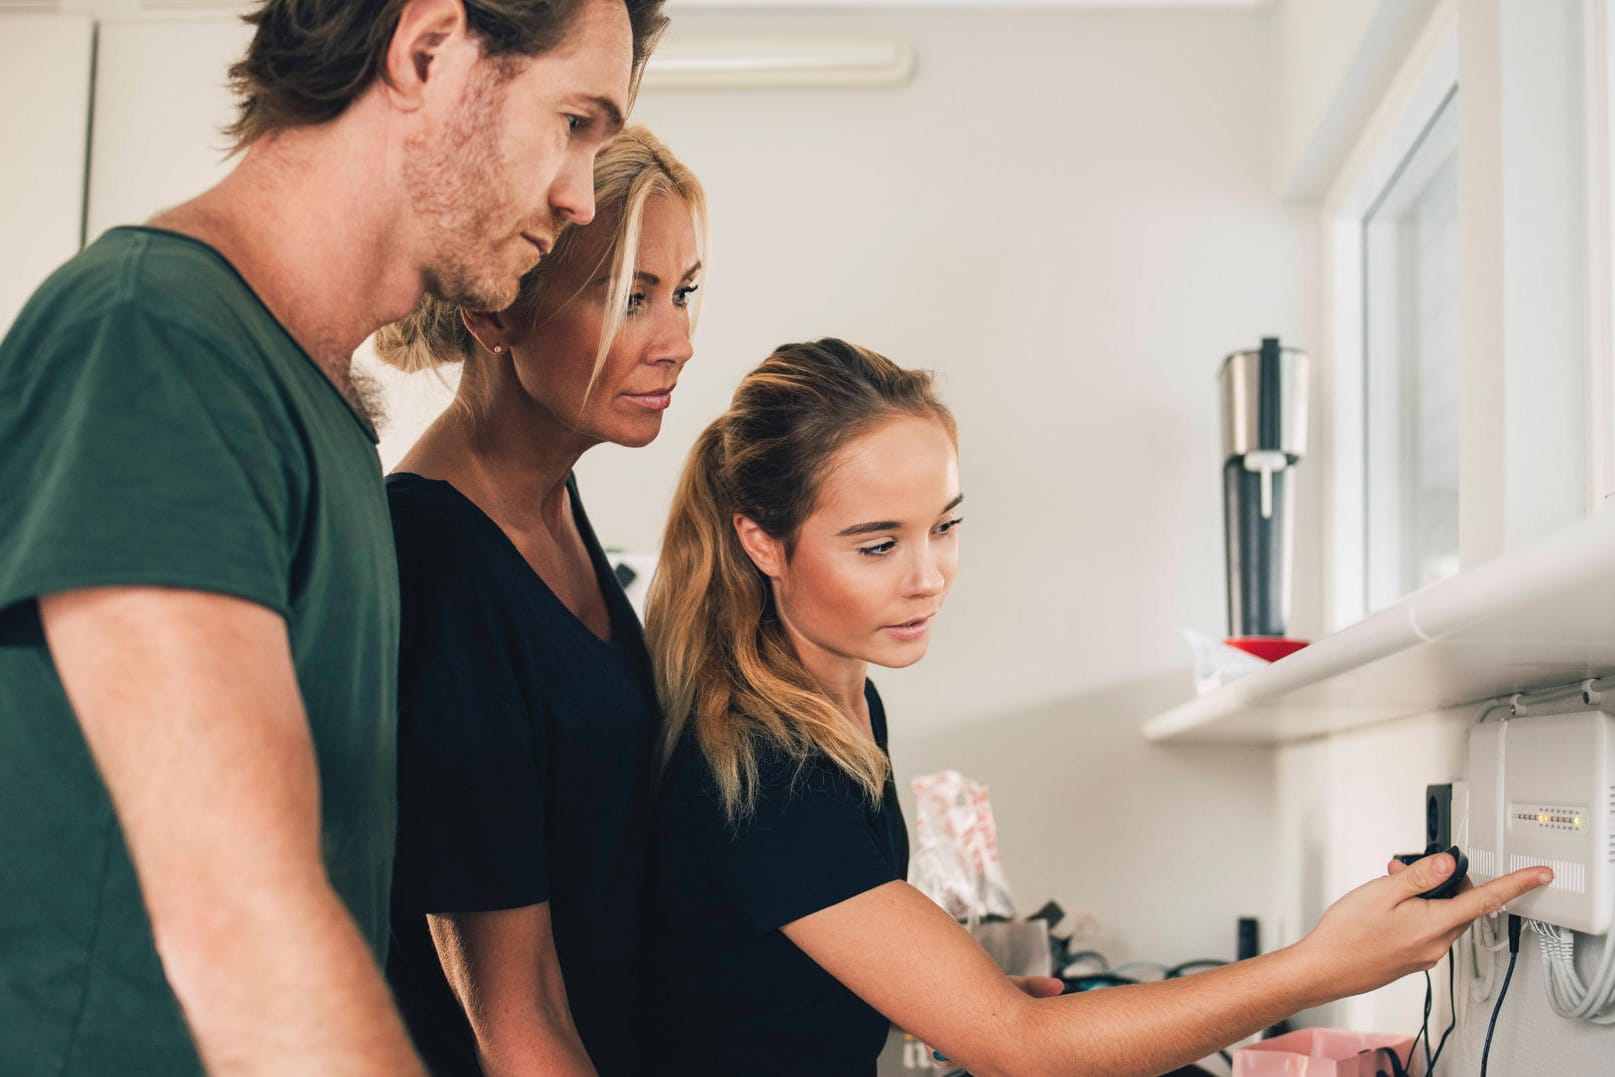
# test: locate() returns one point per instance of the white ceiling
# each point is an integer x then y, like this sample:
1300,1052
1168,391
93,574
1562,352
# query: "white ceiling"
122,8
1112,5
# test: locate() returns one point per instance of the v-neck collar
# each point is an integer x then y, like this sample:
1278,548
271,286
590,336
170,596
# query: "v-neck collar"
604,578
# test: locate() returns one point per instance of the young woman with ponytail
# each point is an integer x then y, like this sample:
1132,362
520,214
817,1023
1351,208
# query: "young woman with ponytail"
815,531
528,717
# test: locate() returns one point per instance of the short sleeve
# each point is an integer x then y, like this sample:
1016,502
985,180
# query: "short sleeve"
470,764
808,845
138,451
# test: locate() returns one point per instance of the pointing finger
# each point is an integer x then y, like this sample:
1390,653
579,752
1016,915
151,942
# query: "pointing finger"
1481,900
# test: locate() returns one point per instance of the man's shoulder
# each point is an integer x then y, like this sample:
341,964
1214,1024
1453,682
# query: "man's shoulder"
141,312
139,275
167,271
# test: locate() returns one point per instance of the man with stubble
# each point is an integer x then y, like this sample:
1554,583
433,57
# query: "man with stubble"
198,596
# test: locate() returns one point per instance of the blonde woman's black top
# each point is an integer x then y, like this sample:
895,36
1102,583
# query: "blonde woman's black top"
526,770
727,992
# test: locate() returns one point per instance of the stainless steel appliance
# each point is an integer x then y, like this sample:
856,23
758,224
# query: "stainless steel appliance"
1264,436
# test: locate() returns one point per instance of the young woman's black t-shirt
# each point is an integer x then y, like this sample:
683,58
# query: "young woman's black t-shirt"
727,993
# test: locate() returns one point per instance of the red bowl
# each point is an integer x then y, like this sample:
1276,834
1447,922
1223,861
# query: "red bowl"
1267,648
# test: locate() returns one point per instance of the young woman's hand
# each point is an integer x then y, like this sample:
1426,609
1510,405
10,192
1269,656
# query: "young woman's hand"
1383,930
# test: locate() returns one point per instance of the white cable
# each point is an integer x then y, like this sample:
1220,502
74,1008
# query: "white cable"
1521,703
1485,937
1567,994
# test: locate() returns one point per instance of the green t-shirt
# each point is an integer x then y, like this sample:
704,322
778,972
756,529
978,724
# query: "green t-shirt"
159,427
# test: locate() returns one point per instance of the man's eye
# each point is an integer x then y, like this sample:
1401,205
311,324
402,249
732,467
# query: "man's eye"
574,123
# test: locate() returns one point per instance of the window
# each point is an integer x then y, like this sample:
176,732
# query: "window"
1411,368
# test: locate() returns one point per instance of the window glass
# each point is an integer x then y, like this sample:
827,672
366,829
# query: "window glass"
1411,368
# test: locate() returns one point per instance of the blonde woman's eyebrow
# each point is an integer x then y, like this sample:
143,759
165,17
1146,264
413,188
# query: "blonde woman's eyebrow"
653,280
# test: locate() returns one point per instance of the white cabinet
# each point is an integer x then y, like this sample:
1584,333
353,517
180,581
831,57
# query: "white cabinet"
44,128
160,104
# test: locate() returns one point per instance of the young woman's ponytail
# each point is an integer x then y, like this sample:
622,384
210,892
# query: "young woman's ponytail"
724,665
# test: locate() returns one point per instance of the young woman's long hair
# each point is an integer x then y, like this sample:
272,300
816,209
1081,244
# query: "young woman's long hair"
724,663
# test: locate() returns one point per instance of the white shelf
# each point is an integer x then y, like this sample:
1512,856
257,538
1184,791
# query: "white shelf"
1534,618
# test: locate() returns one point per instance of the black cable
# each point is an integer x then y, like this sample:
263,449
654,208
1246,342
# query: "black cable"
1422,1034
1424,1029
1396,1070
1513,956
1398,1067
1452,1022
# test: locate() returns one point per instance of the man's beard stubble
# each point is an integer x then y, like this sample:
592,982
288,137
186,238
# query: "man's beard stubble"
455,181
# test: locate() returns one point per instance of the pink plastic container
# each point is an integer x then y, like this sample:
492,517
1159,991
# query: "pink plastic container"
1322,1052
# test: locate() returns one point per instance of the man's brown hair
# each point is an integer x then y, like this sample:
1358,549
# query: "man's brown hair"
310,59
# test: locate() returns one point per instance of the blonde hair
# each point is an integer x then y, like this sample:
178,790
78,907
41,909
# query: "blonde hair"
723,661
627,173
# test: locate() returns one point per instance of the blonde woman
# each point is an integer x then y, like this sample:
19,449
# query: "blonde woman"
528,716
816,532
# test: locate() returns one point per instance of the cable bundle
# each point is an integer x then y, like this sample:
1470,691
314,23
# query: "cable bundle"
1567,994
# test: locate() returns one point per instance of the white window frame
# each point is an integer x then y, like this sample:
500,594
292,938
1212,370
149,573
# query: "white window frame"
1598,94
1415,96
1538,295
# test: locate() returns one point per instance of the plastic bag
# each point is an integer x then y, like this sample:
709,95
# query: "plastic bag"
957,863
1216,663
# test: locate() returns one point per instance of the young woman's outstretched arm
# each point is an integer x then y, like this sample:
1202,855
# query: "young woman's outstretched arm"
903,955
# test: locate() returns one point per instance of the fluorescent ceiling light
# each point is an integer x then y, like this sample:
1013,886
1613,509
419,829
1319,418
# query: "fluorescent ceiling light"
939,5
779,60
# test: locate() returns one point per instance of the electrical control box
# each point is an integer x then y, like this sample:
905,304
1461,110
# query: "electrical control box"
1542,792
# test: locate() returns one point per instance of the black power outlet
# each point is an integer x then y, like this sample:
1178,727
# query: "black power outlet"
1438,816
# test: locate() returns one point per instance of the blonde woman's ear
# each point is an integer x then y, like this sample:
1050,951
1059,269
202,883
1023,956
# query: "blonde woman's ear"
488,329
765,551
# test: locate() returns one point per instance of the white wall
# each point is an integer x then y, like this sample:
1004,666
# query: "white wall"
1068,215
1347,803
1064,215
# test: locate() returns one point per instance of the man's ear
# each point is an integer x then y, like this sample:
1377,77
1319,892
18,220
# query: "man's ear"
427,32
765,551
491,329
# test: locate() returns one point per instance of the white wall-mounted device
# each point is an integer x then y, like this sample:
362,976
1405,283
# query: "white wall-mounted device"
1542,792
